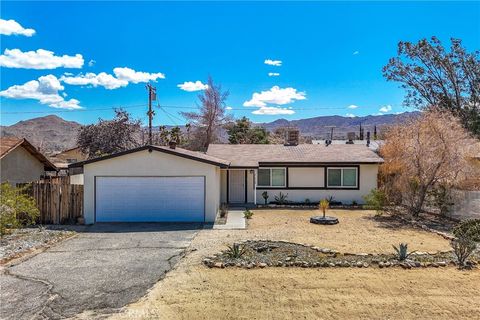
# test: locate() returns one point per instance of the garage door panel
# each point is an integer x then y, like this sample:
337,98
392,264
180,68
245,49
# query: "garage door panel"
155,199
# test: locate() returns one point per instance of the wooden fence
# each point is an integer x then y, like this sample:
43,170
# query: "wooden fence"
59,201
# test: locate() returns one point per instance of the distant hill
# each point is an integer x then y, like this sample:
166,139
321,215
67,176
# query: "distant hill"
50,134
53,134
318,127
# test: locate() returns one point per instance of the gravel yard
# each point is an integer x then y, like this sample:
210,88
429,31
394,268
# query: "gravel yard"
194,291
22,241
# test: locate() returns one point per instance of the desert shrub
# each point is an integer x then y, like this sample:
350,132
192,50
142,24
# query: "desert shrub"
223,210
463,246
324,204
265,196
16,208
281,198
248,214
307,201
376,200
441,198
468,228
235,251
354,203
402,251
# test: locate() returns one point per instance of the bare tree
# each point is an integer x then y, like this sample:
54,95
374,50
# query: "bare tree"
422,153
434,77
210,118
109,136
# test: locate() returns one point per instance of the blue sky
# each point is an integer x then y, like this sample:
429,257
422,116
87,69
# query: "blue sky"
331,55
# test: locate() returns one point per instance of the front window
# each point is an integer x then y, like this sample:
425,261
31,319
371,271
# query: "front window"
271,177
342,177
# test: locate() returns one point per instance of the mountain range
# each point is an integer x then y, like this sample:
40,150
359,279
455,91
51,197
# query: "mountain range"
52,134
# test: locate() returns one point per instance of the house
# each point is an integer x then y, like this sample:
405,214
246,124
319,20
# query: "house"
156,183
21,162
66,157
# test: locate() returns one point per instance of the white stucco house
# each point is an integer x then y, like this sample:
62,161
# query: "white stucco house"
157,183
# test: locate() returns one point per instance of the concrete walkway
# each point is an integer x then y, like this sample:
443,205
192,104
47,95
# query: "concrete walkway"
235,220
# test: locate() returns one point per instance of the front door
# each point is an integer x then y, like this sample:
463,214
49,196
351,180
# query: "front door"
236,186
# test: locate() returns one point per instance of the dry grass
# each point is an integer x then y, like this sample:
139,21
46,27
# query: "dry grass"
192,291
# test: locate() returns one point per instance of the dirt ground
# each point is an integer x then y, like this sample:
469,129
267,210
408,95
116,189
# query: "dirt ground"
192,291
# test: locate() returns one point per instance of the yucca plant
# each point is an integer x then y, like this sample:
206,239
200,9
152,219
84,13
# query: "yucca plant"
402,251
235,251
324,204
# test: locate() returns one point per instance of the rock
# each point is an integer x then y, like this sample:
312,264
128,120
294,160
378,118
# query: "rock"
365,265
417,264
435,265
442,264
387,264
381,265
362,254
325,250
262,265
218,265
331,264
288,258
359,264
206,261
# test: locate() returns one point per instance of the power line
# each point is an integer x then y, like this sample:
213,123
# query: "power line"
76,110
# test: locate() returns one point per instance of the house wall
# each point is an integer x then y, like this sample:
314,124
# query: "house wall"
309,176
20,166
155,163
306,177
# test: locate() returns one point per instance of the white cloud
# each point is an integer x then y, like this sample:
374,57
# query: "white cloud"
45,90
273,74
40,59
192,86
271,111
12,27
385,109
123,76
355,53
102,79
228,108
91,63
133,76
350,115
275,95
276,63
352,106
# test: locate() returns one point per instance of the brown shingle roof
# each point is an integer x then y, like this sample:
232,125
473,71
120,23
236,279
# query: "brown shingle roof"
193,155
8,144
251,155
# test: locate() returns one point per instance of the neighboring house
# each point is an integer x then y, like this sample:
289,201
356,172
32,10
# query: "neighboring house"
63,159
154,183
21,162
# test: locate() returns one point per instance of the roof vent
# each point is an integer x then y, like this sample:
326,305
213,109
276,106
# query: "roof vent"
292,136
350,137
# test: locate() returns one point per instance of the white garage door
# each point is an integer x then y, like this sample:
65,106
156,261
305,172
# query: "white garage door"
150,199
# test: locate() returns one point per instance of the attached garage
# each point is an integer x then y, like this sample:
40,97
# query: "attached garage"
150,199
152,184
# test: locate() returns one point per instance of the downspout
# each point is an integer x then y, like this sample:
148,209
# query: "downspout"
255,187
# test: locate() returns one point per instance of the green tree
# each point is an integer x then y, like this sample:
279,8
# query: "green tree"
437,78
16,208
241,132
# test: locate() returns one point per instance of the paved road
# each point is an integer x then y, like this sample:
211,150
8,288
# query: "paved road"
102,269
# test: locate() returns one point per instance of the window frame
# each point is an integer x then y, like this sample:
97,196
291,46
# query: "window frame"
271,177
341,186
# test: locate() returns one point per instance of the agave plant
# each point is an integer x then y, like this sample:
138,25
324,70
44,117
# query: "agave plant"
235,251
324,204
402,251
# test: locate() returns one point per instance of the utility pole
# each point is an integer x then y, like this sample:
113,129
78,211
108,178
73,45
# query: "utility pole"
152,95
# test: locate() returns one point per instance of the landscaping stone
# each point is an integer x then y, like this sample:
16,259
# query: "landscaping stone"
264,253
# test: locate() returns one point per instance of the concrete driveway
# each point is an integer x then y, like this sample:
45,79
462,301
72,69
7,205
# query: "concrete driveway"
103,268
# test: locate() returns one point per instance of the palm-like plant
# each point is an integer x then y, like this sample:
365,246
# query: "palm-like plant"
235,251
324,204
